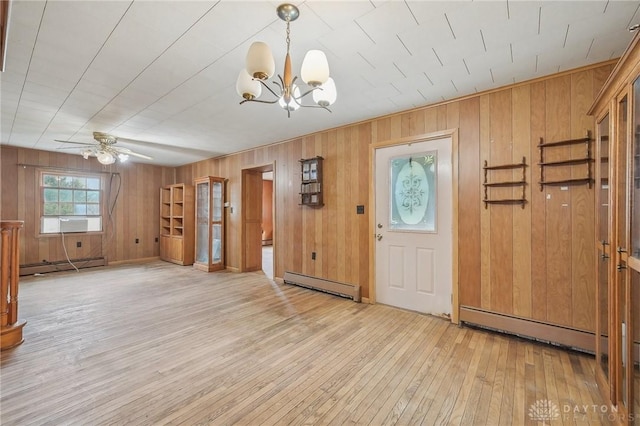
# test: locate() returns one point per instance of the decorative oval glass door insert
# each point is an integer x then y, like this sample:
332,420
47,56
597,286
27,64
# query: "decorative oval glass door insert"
413,192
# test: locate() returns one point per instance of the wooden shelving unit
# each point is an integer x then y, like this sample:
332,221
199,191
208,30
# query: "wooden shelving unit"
311,184
505,183
587,159
177,223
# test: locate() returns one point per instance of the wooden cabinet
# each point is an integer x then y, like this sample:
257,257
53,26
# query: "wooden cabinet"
209,239
617,111
177,224
311,184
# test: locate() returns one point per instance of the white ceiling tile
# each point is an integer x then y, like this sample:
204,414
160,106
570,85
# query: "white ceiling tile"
349,11
467,20
387,20
335,41
424,37
608,47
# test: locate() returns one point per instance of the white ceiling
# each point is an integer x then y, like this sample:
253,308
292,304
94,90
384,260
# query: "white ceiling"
164,72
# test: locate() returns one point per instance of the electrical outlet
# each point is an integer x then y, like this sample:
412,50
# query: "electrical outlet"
79,244
313,255
137,240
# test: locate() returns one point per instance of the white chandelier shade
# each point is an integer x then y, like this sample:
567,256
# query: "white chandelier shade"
260,63
247,87
327,93
292,104
315,68
260,66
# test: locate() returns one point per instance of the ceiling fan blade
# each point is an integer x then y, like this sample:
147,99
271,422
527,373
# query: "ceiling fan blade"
166,148
135,154
127,151
72,147
75,143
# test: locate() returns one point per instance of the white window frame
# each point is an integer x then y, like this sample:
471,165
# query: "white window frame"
70,222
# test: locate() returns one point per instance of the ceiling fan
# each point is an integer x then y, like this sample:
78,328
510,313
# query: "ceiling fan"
104,150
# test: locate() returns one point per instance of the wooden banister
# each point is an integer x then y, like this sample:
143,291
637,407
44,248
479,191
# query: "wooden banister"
10,327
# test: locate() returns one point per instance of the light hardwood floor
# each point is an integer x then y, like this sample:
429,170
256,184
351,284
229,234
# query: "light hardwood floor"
158,343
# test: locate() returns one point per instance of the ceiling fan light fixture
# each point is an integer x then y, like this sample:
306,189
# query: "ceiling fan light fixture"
260,66
106,158
87,153
123,157
104,138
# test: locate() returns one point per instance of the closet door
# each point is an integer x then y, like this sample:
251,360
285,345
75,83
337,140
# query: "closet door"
633,339
603,248
621,314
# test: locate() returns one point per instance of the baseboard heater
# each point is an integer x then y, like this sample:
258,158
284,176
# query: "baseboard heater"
61,265
544,332
340,289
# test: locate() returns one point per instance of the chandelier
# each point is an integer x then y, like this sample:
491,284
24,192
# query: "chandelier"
260,67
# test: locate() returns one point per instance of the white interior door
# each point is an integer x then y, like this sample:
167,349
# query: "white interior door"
414,226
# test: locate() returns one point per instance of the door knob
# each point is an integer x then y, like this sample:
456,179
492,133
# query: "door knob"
378,237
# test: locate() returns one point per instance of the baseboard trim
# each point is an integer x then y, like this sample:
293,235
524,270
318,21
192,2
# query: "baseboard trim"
544,332
61,265
134,261
334,287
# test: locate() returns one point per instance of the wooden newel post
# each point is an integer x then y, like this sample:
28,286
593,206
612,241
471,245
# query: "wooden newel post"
10,327
4,277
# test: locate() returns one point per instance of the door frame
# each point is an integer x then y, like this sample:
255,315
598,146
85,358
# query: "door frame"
453,134
266,167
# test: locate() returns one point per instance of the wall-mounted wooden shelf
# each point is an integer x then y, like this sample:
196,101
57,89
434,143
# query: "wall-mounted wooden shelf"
587,159
311,184
507,183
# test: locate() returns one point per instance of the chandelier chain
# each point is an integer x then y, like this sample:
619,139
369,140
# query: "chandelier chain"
288,33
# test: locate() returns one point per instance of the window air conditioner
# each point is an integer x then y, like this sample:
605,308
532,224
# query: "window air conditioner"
73,224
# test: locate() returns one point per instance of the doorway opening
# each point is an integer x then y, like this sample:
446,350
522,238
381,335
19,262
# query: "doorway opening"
258,219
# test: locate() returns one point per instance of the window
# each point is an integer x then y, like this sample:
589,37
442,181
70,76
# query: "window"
70,203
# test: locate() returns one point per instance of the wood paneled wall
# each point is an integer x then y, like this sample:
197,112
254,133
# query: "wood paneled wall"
533,263
135,213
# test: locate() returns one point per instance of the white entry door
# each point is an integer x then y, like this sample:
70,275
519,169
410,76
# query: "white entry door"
414,226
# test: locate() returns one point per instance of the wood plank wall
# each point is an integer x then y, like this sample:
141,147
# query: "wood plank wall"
533,263
135,213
